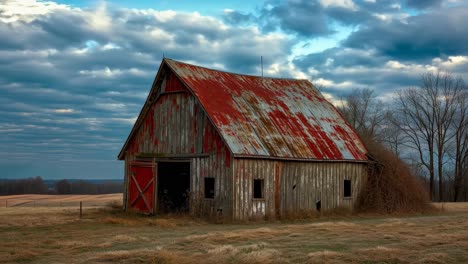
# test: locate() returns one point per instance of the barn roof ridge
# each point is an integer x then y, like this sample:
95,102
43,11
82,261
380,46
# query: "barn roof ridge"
237,73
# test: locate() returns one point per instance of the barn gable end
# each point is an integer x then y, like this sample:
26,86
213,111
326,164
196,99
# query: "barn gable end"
173,127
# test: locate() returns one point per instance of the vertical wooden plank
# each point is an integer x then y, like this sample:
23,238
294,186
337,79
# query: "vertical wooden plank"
304,186
246,190
314,185
125,194
239,188
289,191
285,188
235,196
316,180
155,184
158,125
187,129
334,177
163,140
242,177
309,187
298,186
223,179
341,171
272,198
251,176
180,123
323,187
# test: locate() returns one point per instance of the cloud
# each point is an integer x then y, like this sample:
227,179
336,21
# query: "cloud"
348,4
318,18
234,17
73,80
26,10
305,18
436,34
64,111
340,71
422,4
391,52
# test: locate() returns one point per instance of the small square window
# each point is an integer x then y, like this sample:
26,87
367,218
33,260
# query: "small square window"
347,189
258,189
209,187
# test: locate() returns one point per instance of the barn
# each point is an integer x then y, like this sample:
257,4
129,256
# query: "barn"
240,147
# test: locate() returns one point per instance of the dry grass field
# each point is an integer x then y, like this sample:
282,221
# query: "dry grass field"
106,235
41,200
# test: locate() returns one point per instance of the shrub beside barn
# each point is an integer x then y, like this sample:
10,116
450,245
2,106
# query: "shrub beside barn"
214,143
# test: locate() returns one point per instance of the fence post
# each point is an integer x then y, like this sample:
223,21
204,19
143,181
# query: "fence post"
81,209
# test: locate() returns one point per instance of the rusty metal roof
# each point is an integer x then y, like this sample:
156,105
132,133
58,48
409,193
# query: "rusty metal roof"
270,117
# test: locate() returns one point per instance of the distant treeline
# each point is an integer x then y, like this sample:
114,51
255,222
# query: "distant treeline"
86,187
36,185
23,186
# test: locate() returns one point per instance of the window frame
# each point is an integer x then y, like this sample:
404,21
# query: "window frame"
262,189
207,195
345,190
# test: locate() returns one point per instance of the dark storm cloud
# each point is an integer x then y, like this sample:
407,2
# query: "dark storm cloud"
304,17
436,34
349,17
378,6
234,17
389,54
339,57
422,4
312,18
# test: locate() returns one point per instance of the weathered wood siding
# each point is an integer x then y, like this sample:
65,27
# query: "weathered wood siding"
305,183
293,187
176,126
245,207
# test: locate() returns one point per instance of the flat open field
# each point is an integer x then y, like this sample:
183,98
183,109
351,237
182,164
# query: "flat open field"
106,235
42,200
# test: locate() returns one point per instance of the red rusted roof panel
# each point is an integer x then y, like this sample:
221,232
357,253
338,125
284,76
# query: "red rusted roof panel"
282,118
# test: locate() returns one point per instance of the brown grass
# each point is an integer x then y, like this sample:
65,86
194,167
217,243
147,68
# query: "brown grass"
110,236
118,217
451,207
43,200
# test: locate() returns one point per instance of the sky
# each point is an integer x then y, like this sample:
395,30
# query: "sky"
75,74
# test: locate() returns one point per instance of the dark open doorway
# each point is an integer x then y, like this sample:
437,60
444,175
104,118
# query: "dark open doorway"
173,187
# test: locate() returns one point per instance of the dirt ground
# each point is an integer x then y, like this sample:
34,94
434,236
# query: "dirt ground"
106,235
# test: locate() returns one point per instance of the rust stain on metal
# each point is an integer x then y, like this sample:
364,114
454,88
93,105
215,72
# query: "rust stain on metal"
281,118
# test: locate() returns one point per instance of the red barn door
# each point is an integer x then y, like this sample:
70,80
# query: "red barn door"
141,187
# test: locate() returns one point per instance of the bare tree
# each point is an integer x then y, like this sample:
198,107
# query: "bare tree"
391,134
416,120
428,124
445,90
460,142
425,116
364,112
